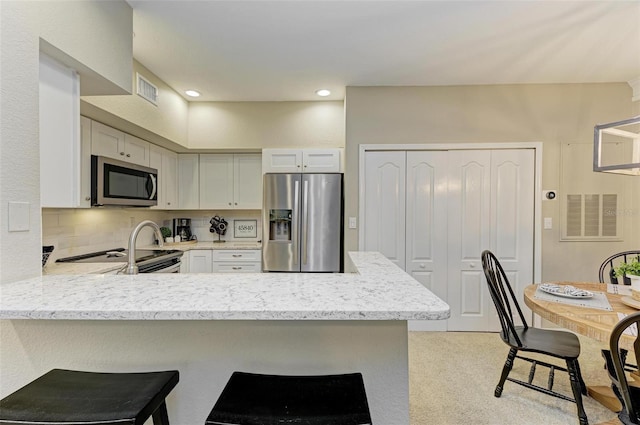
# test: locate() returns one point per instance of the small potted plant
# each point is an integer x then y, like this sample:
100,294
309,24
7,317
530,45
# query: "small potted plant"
166,234
631,270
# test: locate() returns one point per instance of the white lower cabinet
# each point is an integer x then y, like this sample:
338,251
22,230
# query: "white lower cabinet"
237,261
200,261
184,263
222,261
219,267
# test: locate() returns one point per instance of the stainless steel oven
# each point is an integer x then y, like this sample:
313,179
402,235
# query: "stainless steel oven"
147,260
115,182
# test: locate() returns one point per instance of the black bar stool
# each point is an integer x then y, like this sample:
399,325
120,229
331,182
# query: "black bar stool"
84,398
255,399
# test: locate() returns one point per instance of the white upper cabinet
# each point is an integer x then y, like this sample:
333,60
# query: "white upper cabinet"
112,143
85,162
301,160
247,181
188,181
61,155
321,161
230,181
216,181
281,161
170,185
166,162
136,150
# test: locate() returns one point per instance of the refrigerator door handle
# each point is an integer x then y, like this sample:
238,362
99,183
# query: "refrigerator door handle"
305,220
294,219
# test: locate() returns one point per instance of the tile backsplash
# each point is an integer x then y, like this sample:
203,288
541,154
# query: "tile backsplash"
200,223
79,231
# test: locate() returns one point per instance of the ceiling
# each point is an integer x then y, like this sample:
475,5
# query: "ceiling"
285,50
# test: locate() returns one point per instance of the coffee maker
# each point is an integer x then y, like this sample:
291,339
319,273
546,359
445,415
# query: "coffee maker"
182,228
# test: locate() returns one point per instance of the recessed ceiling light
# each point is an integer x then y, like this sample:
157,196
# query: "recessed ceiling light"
192,93
323,92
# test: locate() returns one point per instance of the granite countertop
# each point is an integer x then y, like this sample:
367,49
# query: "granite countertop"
378,291
100,268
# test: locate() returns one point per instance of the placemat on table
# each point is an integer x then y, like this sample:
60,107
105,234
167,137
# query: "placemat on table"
599,300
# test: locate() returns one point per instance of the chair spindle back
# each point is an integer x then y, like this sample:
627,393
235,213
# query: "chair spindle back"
607,268
503,297
631,400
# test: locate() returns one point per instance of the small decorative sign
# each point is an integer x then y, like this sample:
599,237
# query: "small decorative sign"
245,228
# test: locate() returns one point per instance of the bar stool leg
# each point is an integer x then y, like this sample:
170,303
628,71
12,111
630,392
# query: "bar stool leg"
160,416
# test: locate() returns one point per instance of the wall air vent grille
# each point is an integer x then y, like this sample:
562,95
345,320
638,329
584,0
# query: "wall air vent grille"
147,90
591,217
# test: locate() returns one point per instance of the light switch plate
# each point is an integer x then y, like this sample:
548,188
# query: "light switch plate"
352,222
548,223
19,216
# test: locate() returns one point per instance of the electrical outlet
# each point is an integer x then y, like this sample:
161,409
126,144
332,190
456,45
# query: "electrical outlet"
352,223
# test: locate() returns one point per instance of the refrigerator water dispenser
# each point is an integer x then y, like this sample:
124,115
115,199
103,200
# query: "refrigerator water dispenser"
280,225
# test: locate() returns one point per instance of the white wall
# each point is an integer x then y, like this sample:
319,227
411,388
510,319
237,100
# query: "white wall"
67,30
257,125
132,114
547,113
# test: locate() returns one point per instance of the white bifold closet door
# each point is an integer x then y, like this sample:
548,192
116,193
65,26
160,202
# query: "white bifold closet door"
434,212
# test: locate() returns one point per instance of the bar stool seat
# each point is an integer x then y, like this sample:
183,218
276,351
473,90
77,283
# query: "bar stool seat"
88,398
256,399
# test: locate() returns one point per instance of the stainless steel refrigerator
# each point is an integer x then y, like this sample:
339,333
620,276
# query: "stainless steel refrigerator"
302,223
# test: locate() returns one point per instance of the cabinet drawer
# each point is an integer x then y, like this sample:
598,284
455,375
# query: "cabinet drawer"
237,255
247,267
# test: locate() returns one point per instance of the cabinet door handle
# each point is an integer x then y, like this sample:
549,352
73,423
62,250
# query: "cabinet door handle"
122,153
236,255
236,268
229,203
128,155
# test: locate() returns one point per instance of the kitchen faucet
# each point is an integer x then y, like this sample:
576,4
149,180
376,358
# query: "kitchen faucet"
132,268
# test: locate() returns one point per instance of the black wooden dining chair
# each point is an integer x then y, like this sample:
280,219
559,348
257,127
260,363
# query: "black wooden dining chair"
73,397
629,395
607,268
607,272
557,344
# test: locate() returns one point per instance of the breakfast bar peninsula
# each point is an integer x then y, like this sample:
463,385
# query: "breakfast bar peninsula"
209,325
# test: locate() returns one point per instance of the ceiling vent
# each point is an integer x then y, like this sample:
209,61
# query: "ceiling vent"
147,90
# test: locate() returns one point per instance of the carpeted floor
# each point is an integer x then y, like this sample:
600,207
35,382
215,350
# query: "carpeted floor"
453,376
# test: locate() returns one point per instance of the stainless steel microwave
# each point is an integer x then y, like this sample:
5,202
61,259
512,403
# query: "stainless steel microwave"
115,182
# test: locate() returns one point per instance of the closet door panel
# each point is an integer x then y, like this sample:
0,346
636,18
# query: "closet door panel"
384,215
512,224
426,229
469,188
426,226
